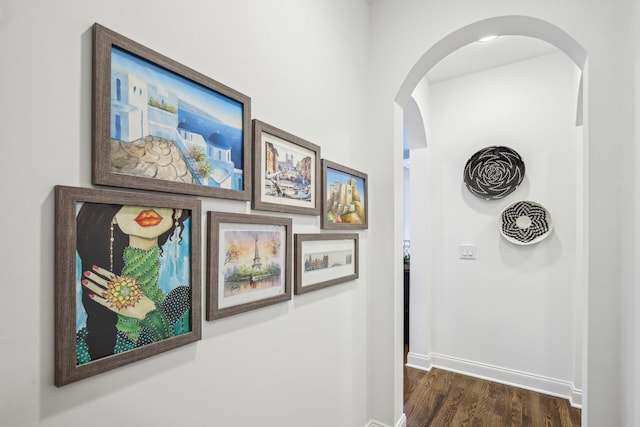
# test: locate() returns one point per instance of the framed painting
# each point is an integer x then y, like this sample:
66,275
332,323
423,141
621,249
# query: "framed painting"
249,262
286,171
127,279
344,197
159,125
323,260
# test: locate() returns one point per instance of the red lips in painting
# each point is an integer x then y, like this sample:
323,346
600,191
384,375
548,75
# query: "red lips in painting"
148,218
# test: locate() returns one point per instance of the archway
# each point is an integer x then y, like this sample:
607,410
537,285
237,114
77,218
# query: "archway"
506,25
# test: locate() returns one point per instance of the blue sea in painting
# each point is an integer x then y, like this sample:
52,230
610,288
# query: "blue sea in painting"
197,121
200,109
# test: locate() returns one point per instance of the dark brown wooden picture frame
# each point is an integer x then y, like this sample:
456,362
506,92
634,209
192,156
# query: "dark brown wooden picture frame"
345,197
323,260
93,232
286,171
159,125
247,265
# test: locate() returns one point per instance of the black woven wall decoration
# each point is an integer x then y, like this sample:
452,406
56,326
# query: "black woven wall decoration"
494,172
525,222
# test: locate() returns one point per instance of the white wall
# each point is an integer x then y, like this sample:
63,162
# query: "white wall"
414,137
301,363
631,295
509,314
402,31
406,177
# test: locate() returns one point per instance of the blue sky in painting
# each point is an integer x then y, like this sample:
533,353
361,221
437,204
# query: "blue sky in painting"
334,175
219,106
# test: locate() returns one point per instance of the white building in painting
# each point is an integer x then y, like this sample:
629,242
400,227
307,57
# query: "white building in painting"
219,153
129,103
162,108
139,109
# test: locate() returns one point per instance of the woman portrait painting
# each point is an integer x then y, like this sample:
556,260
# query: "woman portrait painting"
133,277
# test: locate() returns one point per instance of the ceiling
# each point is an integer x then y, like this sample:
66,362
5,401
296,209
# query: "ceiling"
482,56
477,56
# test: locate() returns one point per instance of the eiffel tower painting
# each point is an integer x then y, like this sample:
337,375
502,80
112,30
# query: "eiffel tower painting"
257,265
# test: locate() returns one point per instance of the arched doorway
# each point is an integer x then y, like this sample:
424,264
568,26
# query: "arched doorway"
507,25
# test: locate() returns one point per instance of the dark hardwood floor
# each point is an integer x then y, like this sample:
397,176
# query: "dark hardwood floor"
440,398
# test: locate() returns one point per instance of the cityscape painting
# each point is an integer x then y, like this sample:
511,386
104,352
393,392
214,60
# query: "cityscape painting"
252,261
250,258
162,126
286,171
344,197
327,259
323,260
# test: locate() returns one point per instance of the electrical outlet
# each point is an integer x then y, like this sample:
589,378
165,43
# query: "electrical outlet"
468,251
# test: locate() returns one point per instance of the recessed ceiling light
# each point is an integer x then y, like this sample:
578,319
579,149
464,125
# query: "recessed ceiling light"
487,38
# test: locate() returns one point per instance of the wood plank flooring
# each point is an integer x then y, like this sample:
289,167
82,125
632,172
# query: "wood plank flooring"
440,398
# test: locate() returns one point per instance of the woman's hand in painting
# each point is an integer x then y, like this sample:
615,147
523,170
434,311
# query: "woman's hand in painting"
120,294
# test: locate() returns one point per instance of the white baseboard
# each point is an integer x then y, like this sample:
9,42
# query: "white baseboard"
419,361
512,377
576,397
402,422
